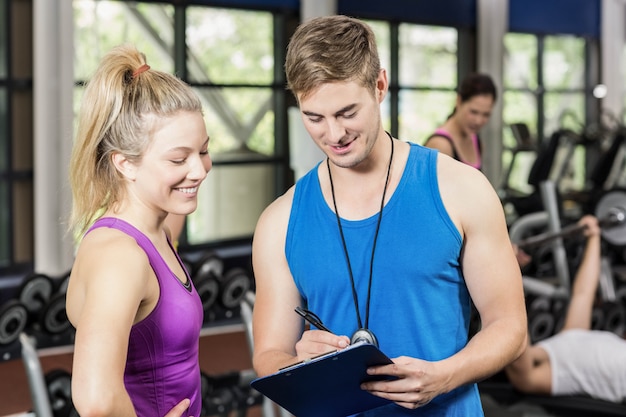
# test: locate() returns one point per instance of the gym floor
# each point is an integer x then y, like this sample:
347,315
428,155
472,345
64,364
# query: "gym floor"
219,353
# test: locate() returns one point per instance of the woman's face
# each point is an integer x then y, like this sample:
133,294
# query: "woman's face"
474,113
174,165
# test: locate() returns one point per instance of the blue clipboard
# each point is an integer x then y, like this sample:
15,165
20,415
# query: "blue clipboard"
327,385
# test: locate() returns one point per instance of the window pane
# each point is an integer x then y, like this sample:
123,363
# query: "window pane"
564,110
239,119
230,202
564,62
422,111
229,46
518,107
428,56
381,31
100,25
520,61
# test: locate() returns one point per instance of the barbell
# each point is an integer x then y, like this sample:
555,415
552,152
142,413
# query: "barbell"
611,214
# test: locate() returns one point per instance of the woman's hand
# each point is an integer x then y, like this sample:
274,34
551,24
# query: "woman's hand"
179,409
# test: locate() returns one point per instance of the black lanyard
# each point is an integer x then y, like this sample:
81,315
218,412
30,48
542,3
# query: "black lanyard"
345,247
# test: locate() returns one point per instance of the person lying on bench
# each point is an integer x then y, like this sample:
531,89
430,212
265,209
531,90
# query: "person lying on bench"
577,360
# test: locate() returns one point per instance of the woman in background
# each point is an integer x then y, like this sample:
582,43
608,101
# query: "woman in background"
458,136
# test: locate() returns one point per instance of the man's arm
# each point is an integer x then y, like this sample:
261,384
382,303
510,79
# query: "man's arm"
491,273
277,328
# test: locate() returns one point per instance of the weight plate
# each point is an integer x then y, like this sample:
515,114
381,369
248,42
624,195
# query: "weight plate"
59,387
209,264
54,317
13,320
538,303
540,325
613,204
35,292
208,291
233,289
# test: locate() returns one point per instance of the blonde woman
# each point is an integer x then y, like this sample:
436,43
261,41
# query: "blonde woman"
139,155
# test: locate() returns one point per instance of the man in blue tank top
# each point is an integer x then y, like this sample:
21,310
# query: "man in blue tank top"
383,237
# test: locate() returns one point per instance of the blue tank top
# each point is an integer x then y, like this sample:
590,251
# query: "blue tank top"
420,305
162,367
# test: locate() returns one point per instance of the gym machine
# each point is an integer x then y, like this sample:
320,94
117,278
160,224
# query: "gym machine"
543,293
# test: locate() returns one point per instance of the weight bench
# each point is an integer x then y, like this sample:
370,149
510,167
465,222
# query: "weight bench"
565,406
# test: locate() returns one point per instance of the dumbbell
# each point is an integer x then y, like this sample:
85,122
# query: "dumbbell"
249,396
233,287
205,278
541,321
46,306
218,397
59,388
540,325
35,291
53,318
13,320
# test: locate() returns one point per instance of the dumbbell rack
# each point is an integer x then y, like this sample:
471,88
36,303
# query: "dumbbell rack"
26,348
34,341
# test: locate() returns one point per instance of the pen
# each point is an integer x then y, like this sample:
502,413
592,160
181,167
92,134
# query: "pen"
312,318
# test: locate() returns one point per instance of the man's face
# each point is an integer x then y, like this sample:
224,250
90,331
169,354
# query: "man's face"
343,118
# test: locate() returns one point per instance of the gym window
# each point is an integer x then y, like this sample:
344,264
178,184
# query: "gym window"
421,64
545,84
228,56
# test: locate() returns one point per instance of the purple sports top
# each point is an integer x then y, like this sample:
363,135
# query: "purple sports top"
162,366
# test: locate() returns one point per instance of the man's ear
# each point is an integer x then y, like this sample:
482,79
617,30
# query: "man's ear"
382,85
124,166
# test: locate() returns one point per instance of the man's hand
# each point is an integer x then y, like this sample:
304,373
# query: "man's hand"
317,342
417,384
